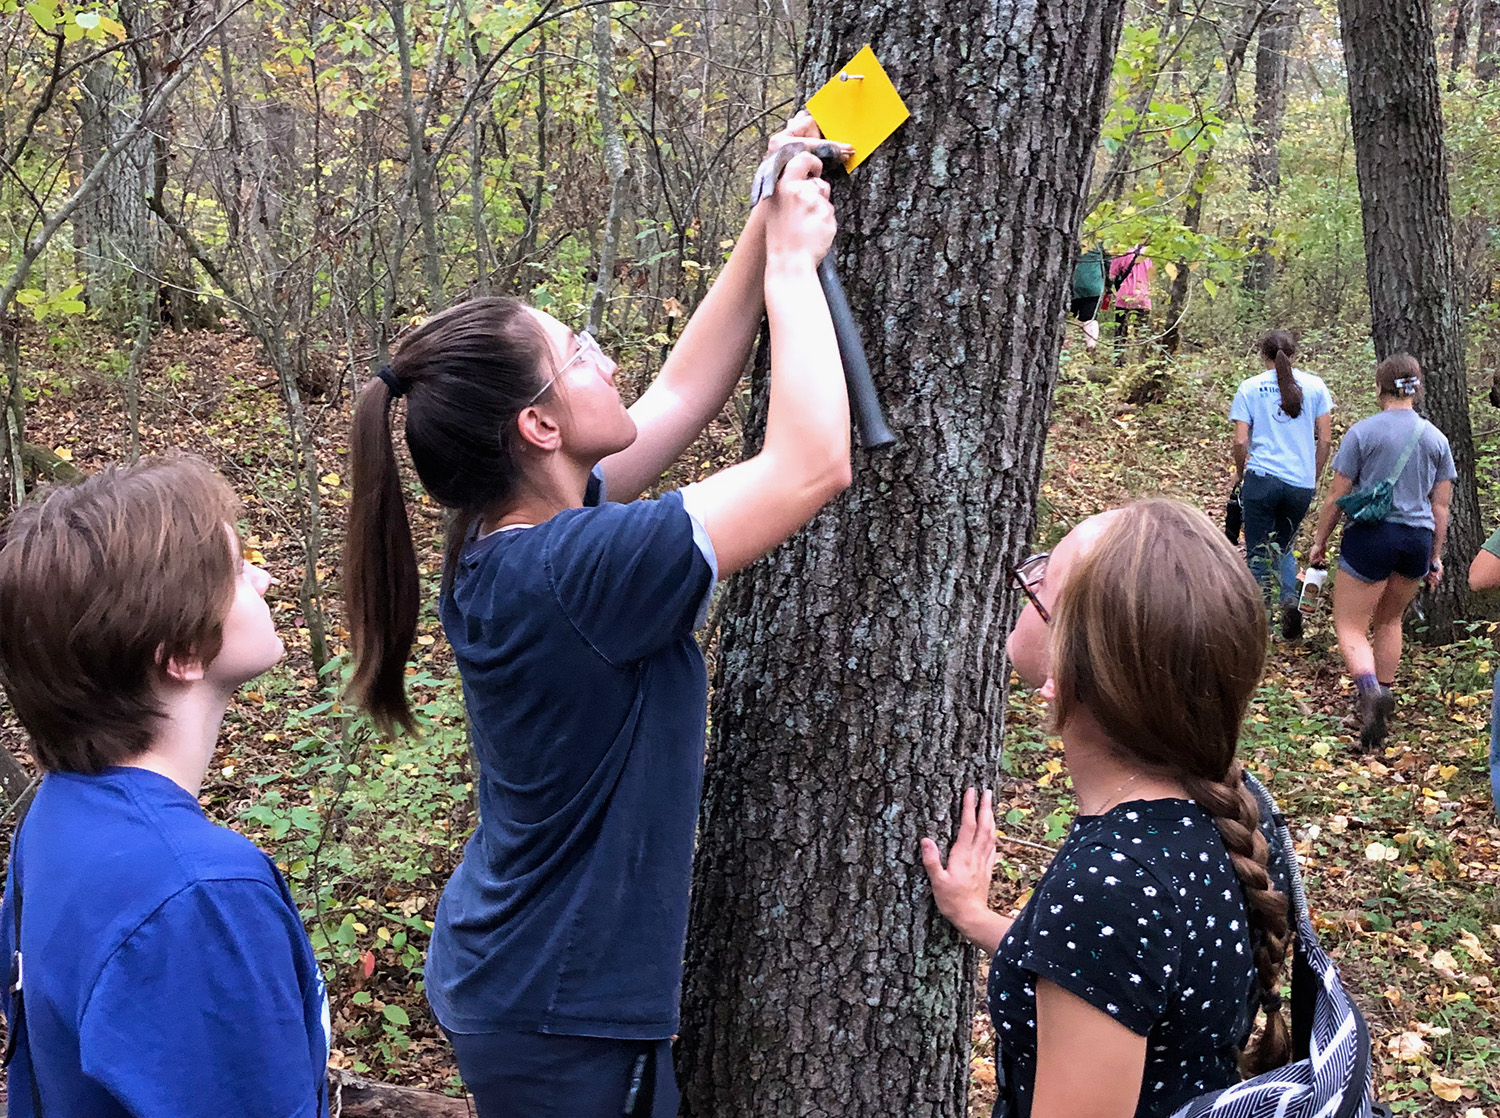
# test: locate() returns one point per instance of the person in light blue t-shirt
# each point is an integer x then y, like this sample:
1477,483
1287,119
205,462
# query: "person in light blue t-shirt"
165,972
556,960
1282,435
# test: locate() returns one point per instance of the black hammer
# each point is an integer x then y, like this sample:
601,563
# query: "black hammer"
864,405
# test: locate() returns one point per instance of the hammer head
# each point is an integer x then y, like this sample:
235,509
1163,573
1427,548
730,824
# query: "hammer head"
769,172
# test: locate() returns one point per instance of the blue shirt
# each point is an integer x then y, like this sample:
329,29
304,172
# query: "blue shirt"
167,972
1281,446
587,697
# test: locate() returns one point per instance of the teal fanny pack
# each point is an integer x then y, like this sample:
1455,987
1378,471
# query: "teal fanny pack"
1375,502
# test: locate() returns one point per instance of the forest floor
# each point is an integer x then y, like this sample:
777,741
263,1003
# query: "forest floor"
1401,850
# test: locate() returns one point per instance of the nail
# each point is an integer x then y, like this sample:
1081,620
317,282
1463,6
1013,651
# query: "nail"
847,77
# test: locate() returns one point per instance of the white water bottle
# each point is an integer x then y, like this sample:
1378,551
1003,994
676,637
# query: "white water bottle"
1312,589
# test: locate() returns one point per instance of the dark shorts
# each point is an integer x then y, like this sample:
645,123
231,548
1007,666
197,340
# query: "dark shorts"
537,1075
1086,309
1374,552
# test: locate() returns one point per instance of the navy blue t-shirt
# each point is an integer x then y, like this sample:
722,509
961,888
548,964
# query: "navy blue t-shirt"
587,696
167,972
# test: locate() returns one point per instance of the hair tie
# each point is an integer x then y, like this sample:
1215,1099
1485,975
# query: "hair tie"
392,382
1271,1003
1408,386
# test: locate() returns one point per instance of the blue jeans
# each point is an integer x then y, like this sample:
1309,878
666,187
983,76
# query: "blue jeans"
539,1075
1495,745
1273,513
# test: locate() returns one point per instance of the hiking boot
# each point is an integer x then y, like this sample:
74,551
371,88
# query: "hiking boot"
1291,622
1375,708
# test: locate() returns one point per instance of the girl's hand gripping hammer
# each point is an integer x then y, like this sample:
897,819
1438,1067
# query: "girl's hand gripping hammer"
864,405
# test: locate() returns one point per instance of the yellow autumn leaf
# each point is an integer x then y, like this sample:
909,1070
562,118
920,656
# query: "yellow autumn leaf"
330,479
1446,1089
253,555
64,453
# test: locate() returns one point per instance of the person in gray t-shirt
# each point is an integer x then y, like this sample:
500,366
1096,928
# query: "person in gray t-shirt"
1383,563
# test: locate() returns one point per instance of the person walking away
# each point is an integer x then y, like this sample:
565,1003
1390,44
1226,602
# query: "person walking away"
555,964
1131,980
1130,274
1283,432
1088,292
162,965
1484,574
1382,563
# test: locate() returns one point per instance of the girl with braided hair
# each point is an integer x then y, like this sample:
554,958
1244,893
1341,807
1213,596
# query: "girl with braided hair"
1132,979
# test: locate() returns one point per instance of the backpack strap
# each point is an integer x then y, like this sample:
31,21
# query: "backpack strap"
1411,445
1135,257
1304,980
17,981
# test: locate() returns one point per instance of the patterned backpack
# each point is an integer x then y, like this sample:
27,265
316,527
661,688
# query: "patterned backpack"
1330,1073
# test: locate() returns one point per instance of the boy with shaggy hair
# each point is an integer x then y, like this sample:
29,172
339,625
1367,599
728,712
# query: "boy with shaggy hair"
163,967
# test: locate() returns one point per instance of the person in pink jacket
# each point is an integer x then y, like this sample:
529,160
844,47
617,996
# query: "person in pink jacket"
1130,276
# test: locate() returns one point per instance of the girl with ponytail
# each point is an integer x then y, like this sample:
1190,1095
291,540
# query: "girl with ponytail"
556,956
1132,979
1283,431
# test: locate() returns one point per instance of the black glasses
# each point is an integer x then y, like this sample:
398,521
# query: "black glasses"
1027,575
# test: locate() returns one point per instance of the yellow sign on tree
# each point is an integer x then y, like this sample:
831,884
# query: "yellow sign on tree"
859,107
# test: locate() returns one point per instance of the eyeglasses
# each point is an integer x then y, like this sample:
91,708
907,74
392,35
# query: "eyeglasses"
587,347
1027,575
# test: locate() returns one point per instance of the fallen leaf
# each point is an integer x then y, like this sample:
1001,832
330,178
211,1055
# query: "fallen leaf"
1470,943
1446,1089
1445,964
1407,1047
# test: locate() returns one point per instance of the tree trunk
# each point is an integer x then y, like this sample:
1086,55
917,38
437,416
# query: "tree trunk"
1458,46
860,682
1276,34
615,165
1396,117
1486,65
113,219
419,166
1234,61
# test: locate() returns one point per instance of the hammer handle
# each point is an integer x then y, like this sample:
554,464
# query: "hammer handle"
864,405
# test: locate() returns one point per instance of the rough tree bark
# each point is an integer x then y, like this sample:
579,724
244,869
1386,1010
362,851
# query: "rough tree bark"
861,675
1486,64
1397,121
1458,45
616,167
1276,34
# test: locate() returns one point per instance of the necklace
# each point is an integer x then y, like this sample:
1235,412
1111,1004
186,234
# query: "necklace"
1111,801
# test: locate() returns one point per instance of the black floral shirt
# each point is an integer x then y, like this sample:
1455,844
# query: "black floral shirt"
1142,916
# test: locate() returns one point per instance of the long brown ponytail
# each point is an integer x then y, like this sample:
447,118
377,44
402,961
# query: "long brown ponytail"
1160,632
1280,347
464,376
